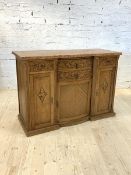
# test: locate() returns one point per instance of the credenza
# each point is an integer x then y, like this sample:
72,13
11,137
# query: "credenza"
64,87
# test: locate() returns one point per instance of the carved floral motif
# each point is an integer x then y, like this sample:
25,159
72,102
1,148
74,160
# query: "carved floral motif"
74,64
41,65
105,61
74,75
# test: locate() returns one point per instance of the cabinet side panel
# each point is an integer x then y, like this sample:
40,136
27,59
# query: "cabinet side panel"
22,89
114,84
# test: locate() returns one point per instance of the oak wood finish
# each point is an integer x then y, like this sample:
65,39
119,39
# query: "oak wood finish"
59,88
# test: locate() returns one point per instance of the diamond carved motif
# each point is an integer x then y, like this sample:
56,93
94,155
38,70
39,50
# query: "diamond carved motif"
105,86
42,94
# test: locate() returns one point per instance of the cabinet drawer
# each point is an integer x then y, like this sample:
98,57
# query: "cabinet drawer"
79,63
74,75
41,65
107,61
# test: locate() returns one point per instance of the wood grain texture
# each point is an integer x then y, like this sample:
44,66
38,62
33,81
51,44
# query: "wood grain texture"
103,86
59,91
95,148
63,53
41,102
74,100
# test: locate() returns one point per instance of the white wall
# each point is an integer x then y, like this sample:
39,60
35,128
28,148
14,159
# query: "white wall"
68,24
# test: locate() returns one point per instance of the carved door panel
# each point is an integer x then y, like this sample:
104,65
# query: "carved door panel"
104,90
103,87
42,97
73,100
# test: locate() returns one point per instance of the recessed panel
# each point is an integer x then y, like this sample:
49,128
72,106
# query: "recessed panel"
74,100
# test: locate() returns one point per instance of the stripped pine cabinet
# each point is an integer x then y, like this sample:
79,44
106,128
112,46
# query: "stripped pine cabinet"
59,88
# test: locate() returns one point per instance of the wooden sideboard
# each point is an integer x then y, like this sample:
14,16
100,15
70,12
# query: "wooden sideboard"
64,87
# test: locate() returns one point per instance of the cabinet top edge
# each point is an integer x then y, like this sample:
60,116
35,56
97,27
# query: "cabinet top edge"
63,53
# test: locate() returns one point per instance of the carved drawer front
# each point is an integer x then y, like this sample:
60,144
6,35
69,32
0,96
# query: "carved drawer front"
41,65
79,63
74,75
107,61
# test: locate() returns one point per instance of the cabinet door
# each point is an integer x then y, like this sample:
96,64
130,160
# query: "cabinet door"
103,88
73,100
41,100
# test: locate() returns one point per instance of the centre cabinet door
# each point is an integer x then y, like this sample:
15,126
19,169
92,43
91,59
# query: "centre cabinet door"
73,100
41,100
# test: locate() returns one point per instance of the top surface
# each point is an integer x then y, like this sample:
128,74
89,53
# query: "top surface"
64,53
